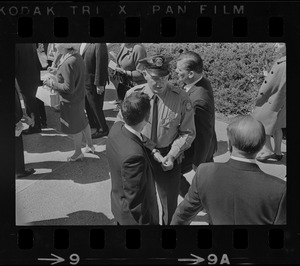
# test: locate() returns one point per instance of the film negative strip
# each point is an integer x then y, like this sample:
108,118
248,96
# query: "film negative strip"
62,214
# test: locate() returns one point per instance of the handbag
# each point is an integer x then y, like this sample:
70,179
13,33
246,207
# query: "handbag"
49,97
125,80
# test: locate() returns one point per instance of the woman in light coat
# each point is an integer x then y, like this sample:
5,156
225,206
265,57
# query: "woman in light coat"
70,86
270,108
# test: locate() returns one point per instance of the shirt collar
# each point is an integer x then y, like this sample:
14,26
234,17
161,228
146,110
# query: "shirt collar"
189,86
82,46
243,159
133,131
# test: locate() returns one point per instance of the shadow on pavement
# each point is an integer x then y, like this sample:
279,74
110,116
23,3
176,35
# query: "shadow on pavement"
222,148
47,142
110,93
90,170
78,218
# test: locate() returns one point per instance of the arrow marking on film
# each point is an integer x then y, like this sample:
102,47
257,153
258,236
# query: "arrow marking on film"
56,260
195,261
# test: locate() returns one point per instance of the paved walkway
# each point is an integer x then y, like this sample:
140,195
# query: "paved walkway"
78,193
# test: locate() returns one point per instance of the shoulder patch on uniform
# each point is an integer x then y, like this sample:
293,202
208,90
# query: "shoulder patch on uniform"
188,105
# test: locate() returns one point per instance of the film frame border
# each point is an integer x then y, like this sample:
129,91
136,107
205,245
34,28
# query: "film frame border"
150,32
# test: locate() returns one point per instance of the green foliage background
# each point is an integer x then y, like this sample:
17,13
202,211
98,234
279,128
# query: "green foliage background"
235,70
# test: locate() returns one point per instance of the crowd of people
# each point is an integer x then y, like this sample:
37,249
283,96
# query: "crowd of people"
162,132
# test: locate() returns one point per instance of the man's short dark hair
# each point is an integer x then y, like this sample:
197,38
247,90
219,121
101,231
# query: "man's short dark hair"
246,134
192,61
136,108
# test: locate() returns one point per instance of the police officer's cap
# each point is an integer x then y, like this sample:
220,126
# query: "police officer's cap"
157,65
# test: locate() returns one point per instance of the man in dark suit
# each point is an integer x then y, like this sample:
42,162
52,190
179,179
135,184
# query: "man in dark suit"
133,194
27,72
19,150
190,72
237,192
95,56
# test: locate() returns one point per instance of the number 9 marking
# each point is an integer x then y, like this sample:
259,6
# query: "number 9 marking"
74,259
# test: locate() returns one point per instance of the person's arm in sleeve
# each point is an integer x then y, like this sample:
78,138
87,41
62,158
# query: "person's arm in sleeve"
101,64
132,173
281,213
139,53
190,206
186,130
204,133
68,72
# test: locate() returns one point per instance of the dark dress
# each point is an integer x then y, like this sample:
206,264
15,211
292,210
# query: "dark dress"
70,76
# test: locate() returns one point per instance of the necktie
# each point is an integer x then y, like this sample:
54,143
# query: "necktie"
154,119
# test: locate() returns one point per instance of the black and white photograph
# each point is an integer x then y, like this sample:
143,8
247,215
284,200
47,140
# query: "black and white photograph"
110,134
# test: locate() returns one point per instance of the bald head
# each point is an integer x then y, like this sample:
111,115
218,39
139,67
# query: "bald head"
246,134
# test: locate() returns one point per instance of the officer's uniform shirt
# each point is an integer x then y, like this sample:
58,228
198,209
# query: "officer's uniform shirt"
175,119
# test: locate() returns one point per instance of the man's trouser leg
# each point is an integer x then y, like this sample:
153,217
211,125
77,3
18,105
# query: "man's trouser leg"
167,183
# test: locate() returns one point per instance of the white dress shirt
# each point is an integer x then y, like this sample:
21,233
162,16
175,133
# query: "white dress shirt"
133,131
82,46
243,159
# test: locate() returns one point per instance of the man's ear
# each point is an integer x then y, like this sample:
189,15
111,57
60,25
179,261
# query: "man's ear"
191,74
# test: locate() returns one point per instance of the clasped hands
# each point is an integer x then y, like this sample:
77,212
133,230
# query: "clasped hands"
167,162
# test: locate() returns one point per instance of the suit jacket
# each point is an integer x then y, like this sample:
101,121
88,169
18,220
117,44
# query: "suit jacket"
133,195
95,56
272,97
27,67
205,143
234,193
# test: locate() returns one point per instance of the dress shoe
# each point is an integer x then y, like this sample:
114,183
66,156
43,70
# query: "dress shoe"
26,173
274,156
89,149
99,134
115,102
32,130
43,125
79,157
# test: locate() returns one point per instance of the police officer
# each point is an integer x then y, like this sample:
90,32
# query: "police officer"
171,127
